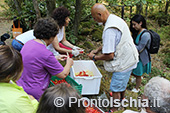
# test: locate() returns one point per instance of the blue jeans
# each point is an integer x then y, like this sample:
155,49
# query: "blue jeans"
17,45
119,81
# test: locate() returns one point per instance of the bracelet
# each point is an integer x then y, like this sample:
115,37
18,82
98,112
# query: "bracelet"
94,58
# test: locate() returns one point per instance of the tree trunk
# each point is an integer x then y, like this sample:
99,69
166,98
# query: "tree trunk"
36,8
97,1
122,14
139,8
18,7
77,17
130,11
146,11
51,5
166,7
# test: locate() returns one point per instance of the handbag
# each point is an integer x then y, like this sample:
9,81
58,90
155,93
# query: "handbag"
16,31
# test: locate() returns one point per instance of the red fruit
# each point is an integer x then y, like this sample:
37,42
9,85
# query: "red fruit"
81,51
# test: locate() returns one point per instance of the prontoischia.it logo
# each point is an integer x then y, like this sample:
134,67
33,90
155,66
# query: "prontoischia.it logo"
139,102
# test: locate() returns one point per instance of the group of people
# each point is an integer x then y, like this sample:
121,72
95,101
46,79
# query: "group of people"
41,48
125,53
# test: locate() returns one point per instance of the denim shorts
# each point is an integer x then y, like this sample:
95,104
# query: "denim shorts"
119,81
16,45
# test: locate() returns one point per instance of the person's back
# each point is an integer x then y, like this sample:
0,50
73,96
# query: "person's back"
13,99
26,36
21,39
36,66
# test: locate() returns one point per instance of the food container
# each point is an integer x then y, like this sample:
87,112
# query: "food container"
91,85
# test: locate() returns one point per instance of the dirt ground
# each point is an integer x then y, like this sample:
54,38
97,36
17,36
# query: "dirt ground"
5,24
5,27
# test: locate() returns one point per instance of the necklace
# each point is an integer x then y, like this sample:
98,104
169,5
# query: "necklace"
44,42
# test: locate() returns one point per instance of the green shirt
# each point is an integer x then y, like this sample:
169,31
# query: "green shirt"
13,99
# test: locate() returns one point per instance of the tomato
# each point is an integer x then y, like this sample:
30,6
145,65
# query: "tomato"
91,110
81,51
84,73
59,81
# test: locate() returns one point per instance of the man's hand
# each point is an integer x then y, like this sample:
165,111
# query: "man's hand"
91,55
94,51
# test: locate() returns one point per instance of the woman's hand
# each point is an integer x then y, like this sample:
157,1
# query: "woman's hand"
61,57
77,48
69,60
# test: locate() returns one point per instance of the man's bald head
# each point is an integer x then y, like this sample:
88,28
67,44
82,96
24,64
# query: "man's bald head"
98,7
99,12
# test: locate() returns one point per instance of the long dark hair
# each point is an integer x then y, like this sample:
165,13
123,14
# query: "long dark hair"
137,18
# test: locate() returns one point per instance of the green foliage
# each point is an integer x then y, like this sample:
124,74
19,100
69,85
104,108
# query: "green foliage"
27,11
88,45
166,60
165,33
71,37
82,38
97,36
166,51
11,10
85,31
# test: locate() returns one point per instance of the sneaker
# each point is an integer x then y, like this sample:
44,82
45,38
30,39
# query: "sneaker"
135,90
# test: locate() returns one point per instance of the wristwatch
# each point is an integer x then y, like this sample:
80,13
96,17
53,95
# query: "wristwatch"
94,58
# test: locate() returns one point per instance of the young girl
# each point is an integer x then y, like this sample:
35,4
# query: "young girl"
137,26
13,99
48,101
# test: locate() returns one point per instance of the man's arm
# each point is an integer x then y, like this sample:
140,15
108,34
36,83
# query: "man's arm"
109,56
96,50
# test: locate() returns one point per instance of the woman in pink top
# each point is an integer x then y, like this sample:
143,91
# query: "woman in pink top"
40,63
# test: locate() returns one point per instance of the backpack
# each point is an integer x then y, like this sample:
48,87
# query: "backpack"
155,41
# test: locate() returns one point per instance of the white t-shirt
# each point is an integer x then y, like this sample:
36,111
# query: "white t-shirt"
60,36
26,36
29,35
111,38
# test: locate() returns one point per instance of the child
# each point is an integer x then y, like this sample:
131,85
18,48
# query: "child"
13,99
63,91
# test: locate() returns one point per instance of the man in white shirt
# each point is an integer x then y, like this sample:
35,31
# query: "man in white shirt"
118,51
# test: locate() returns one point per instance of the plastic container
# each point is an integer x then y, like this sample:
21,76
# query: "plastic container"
70,81
91,85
